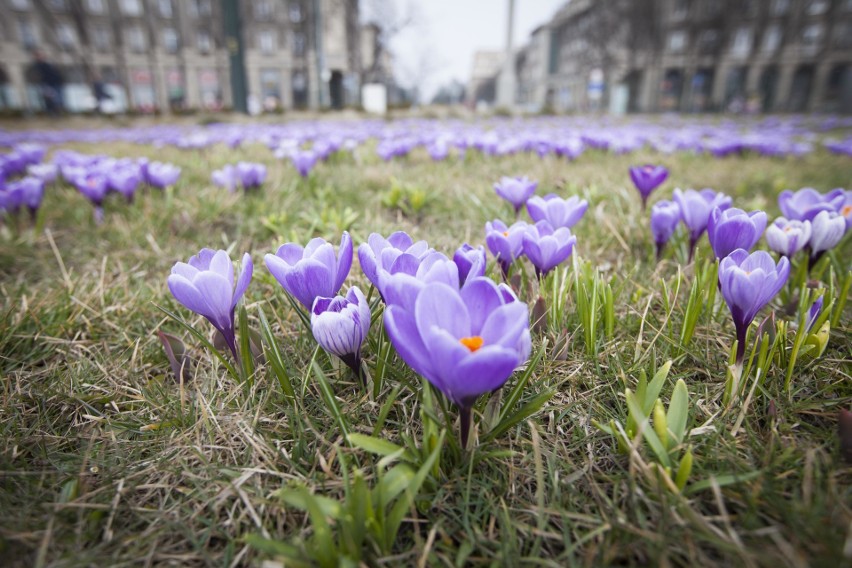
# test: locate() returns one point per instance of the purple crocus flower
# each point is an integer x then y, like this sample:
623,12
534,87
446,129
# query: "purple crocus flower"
379,254
695,209
827,229
546,248
340,326
845,208
312,271
557,211
788,237
407,273
803,205
749,282
27,191
30,153
251,175
732,229
226,177
647,178
465,342
161,175
45,172
665,216
304,161
814,312
205,285
515,190
124,181
94,187
470,262
438,151
505,243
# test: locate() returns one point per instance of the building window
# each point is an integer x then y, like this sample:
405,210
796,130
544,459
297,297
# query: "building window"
677,41
131,7
816,7
65,35
749,8
203,41
711,7
95,6
57,5
741,45
267,42
165,7
101,38
780,7
708,41
299,44
843,35
847,5
771,39
28,33
21,4
262,9
136,39
680,10
171,42
296,12
200,8
812,37
270,88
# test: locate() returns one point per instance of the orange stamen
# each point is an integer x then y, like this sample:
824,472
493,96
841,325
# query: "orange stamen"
505,233
847,209
472,343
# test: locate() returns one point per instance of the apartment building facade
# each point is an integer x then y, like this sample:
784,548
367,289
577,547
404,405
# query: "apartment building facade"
175,54
691,56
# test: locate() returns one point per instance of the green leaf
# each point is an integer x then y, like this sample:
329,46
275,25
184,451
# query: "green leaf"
246,356
678,411
378,446
528,409
328,396
518,389
654,387
276,548
648,433
684,469
393,482
402,506
275,358
302,499
660,424
722,481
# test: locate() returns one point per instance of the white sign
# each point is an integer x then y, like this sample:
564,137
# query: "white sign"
374,98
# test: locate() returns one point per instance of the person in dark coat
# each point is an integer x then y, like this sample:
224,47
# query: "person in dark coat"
50,83
100,92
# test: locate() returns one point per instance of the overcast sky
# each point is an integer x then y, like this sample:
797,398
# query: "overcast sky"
439,43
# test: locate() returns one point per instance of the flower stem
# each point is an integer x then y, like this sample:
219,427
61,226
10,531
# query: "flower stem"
464,419
353,361
742,335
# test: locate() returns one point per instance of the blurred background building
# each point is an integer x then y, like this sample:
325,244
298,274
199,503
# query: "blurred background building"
685,55
178,54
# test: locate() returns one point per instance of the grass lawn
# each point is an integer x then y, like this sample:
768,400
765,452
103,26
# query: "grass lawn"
107,459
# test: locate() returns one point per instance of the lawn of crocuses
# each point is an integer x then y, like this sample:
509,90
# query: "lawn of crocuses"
556,392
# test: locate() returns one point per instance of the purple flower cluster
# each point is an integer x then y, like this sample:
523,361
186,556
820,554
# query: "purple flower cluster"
95,176
546,243
22,179
247,175
461,331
